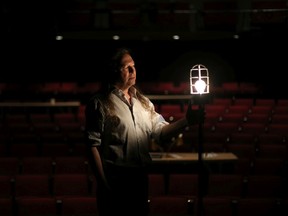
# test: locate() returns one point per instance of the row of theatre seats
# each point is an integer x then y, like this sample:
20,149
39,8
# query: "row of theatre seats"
43,194
78,164
259,128
73,193
163,205
175,193
44,169
14,168
82,91
177,15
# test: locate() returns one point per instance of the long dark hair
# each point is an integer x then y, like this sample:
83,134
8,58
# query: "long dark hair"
112,73
116,63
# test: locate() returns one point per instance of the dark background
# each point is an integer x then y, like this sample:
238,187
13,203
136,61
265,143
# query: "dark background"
30,52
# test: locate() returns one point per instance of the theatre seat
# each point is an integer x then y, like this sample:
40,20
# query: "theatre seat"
180,184
265,186
71,164
36,206
170,205
6,186
157,185
36,165
79,206
225,186
32,185
213,206
258,207
77,185
7,207
9,166
269,166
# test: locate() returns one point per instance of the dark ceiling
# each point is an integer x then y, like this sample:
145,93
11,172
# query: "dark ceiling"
142,20
239,35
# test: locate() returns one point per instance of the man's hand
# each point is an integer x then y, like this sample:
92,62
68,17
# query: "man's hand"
194,116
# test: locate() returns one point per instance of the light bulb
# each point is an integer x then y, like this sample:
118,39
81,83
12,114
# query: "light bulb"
200,86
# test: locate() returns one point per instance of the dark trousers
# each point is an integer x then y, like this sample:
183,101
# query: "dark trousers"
128,193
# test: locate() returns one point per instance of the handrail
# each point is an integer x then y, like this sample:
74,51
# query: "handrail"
168,97
41,104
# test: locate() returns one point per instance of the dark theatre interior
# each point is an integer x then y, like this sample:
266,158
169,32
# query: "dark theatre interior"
54,57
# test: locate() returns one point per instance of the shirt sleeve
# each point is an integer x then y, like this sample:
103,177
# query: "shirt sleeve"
94,117
158,122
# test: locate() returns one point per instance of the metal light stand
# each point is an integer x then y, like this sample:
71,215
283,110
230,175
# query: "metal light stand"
200,163
199,84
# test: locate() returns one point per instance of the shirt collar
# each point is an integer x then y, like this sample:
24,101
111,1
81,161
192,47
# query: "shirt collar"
119,92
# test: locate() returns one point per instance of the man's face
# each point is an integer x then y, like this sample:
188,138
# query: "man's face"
128,71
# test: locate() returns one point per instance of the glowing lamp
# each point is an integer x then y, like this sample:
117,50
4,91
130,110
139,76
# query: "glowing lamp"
199,80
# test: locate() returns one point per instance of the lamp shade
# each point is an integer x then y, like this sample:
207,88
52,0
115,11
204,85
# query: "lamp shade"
199,79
